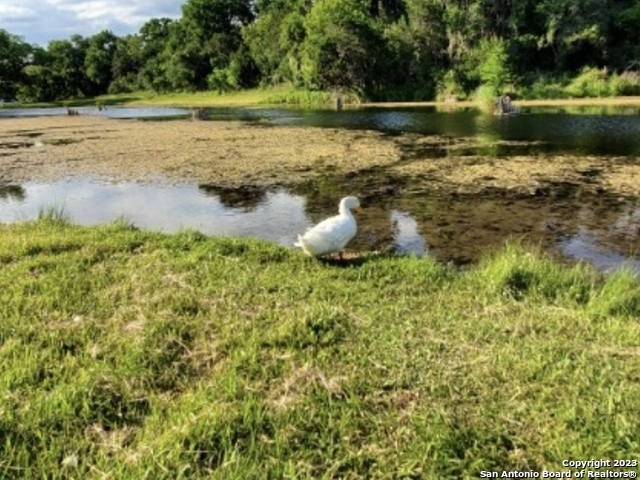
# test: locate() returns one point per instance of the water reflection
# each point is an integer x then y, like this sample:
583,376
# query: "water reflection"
12,192
457,228
109,112
408,239
462,229
583,246
399,216
589,130
245,199
169,208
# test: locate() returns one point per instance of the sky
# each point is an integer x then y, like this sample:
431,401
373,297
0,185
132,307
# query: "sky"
39,21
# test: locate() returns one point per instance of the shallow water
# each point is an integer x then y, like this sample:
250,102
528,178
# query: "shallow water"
109,112
589,130
541,129
399,216
169,208
459,229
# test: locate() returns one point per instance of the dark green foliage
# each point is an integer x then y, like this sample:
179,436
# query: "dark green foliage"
209,35
13,58
337,51
376,49
98,62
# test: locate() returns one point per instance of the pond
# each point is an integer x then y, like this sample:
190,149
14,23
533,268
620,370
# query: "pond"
400,215
109,112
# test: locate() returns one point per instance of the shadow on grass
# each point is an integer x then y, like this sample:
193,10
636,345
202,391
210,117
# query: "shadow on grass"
352,259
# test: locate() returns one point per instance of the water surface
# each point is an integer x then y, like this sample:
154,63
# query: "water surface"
458,229
401,215
588,130
109,112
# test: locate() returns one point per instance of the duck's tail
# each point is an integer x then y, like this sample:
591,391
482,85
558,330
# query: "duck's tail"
306,248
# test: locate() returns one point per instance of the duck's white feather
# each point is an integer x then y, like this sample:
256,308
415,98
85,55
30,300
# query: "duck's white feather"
333,234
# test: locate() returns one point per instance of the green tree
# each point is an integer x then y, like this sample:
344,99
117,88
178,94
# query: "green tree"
493,69
624,35
154,40
14,56
39,85
575,31
66,64
206,39
418,52
126,64
342,49
389,10
98,62
275,38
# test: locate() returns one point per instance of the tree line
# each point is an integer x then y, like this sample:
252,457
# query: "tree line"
378,49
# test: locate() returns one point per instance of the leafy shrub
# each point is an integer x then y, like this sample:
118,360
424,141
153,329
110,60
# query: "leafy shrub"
486,96
591,82
493,68
449,88
627,83
544,87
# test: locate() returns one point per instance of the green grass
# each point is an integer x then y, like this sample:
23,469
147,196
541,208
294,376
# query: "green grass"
589,85
132,354
206,99
275,95
258,96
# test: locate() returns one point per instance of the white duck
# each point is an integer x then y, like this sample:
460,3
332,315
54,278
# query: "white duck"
331,235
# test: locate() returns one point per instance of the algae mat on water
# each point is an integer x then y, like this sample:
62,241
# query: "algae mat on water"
131,354
229,153
241,154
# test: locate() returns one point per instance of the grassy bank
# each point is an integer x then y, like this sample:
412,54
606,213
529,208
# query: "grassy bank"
276,95
290,96
130,354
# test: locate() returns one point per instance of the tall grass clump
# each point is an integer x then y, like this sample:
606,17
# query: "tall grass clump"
54,213
308,98
299,97
625,84
133,354
591,82
486,97
543,87
619,295
519,272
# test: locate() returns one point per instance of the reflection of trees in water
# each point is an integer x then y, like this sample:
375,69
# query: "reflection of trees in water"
14,192
245,198
628,221
463,228
615,224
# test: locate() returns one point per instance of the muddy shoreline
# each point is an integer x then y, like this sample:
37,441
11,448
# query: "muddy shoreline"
233,154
